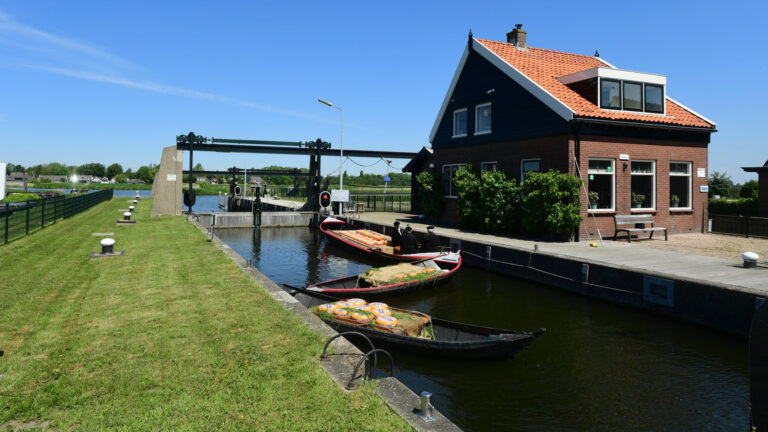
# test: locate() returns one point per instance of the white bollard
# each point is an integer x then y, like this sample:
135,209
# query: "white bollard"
107,245
750,259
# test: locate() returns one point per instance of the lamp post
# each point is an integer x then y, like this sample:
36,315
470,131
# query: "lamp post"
341,149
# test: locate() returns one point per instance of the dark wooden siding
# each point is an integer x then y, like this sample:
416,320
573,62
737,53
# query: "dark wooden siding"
515,114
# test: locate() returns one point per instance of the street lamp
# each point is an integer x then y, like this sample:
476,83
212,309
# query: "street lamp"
341,149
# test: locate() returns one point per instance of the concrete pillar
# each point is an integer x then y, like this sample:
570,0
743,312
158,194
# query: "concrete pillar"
166,189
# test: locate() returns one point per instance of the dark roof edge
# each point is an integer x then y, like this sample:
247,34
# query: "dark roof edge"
643,124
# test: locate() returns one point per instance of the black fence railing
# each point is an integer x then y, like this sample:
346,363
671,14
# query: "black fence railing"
382,202
747,226
18,219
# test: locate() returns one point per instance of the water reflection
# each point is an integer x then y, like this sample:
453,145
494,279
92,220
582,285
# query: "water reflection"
599,367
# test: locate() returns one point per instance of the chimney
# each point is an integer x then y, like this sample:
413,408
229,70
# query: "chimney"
517,37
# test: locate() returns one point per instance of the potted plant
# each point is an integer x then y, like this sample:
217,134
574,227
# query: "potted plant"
637,200
674,200
594,197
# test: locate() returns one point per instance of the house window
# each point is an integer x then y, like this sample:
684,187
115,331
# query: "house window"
601,184
488,166
633,96
528,165
643,187
654,98
680,185
483,118
610,94
449,172
460,123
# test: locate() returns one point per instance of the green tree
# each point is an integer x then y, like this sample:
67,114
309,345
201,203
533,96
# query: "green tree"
54,168
120,178
749,189
92,169
551,202
500,201
114,170
720,184
143,174
430,184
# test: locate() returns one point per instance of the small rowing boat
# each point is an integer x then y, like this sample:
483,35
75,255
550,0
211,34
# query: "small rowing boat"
391,280
415,331
370,241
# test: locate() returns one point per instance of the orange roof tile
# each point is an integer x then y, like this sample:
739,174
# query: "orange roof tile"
544,67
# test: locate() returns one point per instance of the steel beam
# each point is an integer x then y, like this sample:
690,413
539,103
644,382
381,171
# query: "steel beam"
239,148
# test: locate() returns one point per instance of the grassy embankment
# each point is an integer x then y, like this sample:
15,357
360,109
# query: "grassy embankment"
170,336
91,186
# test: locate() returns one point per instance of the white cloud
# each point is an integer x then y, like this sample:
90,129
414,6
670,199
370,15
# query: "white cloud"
177,91
33,39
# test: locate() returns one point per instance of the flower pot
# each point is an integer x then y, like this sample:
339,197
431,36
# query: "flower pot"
637,205
594,206
674,203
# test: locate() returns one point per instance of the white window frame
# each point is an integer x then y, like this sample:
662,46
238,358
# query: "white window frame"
466,126
484,164
522,164
613,184
477,119
653,184
690,185
448,192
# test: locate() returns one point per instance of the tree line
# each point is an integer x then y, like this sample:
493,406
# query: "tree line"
115,171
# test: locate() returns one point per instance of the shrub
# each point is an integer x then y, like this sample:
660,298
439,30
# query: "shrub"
741,206
551,202
17,197
430,192
466,182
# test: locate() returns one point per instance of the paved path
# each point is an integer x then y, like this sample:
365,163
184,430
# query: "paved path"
725,272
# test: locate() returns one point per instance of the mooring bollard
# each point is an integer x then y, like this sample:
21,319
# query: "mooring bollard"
107,245
130,208
135,202
750,259
127,216
426,407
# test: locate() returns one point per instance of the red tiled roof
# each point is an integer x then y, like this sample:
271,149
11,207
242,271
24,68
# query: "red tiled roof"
544,67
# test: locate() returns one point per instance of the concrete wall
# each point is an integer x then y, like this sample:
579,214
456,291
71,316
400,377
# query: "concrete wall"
166,190
707,304
245,219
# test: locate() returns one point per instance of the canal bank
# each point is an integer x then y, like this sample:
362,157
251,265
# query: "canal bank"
169,335
712,292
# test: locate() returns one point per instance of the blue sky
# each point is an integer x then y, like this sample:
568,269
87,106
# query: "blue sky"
117,81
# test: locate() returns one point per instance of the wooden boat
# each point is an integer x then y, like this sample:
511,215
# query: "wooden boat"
370,241
446,338
432,273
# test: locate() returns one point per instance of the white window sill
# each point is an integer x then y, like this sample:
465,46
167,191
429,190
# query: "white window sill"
680,209
643,210
459,136
603,211
450,196
483,132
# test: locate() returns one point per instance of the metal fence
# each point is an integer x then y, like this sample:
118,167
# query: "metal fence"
24,217
747,226
383,202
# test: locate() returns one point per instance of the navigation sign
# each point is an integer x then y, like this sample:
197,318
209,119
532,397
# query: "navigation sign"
386,179
340,195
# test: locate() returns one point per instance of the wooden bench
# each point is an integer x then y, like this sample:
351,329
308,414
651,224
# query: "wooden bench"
638,223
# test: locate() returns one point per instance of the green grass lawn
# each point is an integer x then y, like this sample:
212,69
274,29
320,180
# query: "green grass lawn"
170,336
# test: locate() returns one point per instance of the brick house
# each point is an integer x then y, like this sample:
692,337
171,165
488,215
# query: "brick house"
516,108
762,188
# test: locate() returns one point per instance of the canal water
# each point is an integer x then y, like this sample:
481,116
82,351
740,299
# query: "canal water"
599,367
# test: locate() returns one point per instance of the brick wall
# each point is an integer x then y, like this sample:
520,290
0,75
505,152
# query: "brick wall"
677,221
557,152
762,193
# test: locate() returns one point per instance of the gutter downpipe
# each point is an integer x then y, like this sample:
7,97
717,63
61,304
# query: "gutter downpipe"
576,159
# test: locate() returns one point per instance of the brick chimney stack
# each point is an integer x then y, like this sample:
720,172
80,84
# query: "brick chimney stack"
517,37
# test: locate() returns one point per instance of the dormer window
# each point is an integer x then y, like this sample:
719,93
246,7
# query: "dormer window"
617,89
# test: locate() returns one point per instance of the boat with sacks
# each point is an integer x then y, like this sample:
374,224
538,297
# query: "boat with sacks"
370,241
414,331
391,280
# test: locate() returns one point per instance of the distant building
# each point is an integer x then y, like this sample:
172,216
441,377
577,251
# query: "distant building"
762,188
518,109
52,178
